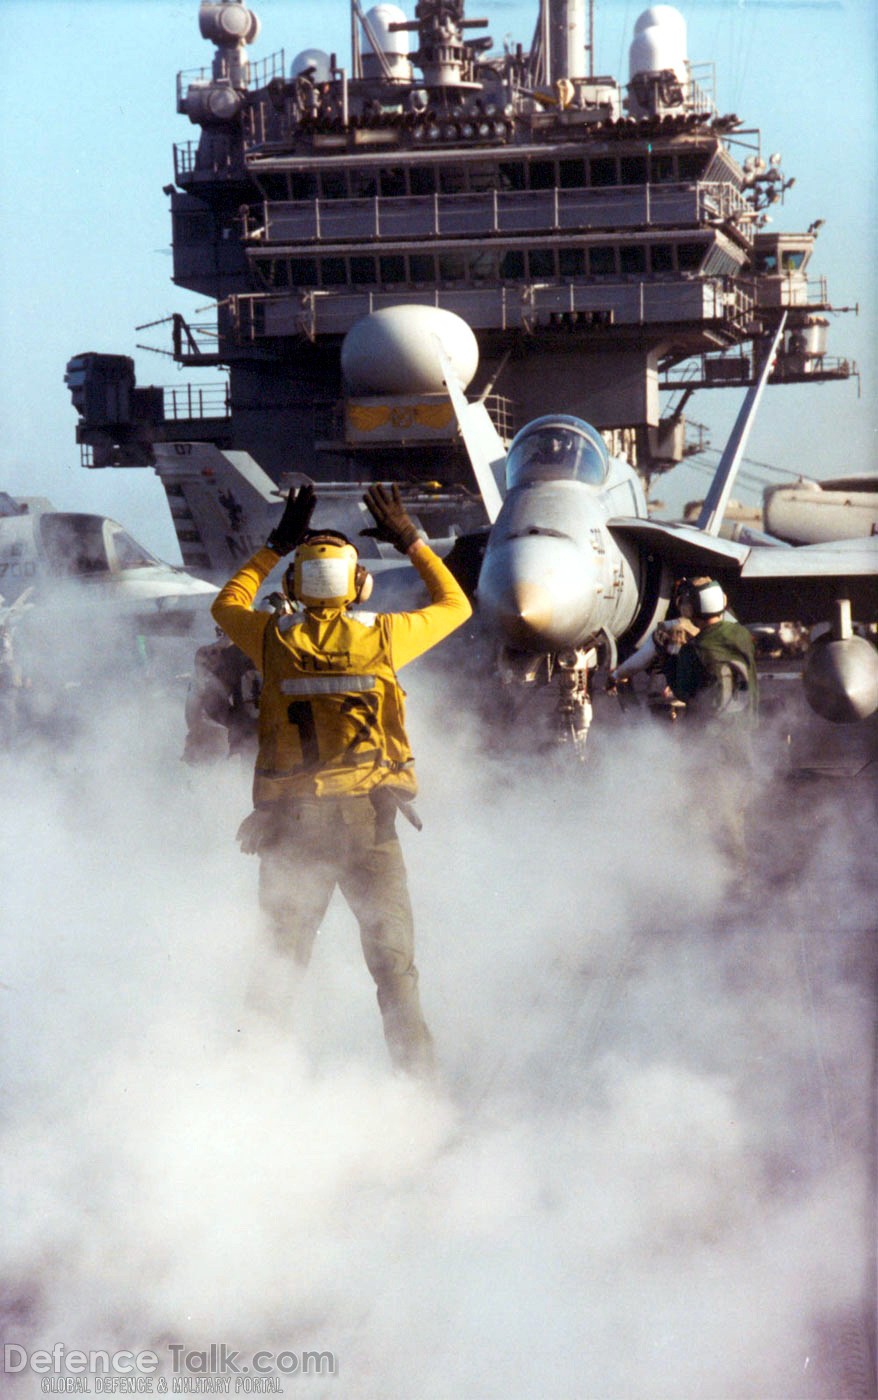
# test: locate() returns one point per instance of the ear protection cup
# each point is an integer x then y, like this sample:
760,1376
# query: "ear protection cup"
364,583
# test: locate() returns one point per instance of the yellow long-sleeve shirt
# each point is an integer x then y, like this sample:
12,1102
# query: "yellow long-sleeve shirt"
332,711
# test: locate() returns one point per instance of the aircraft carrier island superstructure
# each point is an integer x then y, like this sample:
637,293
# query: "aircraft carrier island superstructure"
604,243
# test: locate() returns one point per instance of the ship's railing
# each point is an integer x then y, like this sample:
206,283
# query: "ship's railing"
185,155
260,73
495,212
791,289
217,159
638,302
719,371
700,91
196,401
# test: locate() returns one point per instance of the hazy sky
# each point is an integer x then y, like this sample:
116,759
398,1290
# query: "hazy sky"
89,120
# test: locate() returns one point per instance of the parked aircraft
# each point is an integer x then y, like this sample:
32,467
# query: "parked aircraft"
43,549
572,574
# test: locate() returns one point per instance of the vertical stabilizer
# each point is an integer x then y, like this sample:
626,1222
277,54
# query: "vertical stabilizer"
223,505
485,447
716,500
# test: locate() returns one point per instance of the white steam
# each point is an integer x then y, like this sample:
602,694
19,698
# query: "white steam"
646,1172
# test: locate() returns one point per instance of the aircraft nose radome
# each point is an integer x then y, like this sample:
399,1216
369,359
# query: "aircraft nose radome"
535,591
524,610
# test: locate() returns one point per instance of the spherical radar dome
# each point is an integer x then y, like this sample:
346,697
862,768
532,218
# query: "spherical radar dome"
393,351
312,58
665,15
659,42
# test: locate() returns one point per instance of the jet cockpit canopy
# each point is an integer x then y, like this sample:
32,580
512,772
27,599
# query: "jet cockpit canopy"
557,448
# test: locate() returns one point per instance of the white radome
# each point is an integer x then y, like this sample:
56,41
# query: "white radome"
393,351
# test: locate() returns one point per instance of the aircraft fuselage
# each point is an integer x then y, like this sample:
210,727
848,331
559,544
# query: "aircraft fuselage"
553,576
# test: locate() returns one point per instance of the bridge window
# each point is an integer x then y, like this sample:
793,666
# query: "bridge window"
512,176
452,179
603,171
303,272
541,262
661,257
633,170
422,267
690,167
571,262
792,259
452,267
571,174
392,268
363,184
482,177
334,184
363,271
662,170
266,272
632,259
542,175
393,182
482,267
303,185
602,260
689,256
333,272
422,179
274,186
512,265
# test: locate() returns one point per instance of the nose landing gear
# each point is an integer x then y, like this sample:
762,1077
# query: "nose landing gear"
574,700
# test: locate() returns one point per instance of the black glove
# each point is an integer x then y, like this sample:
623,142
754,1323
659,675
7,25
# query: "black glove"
292,527
392,524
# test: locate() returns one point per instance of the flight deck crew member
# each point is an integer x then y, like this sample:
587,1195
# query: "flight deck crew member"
714,672
334,764
222,704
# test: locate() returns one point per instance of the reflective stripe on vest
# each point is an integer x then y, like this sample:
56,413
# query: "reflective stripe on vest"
327,685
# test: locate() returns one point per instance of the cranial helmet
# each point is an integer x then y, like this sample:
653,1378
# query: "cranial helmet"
326,573
701,597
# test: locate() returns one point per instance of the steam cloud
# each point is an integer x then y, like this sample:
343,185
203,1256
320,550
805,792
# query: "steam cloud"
647,1172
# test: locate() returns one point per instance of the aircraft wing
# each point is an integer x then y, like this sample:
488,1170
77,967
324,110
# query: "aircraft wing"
766,584
687,549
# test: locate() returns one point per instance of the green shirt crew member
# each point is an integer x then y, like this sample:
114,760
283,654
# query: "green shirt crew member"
715,671
334,763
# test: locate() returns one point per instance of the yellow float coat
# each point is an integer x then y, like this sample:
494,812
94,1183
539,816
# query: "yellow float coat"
332,712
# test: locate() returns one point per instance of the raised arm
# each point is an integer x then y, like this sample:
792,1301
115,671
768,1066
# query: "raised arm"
413,633
232,608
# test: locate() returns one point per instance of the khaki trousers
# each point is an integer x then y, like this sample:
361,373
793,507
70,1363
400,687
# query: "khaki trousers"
309,846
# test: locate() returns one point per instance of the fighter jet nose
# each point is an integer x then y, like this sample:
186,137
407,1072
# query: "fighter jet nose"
532,590
524,610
